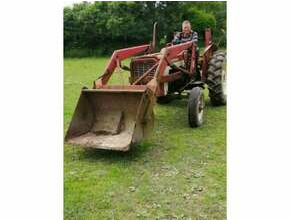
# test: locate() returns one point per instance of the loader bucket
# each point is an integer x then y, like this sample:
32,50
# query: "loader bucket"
112,117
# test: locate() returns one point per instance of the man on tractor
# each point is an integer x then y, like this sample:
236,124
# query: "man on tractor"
186,35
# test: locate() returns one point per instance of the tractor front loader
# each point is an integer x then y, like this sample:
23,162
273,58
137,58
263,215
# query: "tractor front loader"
115,116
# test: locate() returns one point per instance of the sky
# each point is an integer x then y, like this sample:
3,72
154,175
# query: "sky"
70,3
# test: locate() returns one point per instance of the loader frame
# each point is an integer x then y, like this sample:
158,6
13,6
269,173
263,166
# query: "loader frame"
163,60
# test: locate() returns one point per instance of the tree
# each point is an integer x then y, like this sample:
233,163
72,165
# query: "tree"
100,27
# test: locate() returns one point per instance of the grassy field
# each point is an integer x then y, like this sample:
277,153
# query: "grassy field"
179,173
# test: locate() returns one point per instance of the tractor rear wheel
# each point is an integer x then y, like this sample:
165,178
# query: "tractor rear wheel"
216,79
195,107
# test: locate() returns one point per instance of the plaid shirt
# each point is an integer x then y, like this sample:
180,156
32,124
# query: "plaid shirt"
181,37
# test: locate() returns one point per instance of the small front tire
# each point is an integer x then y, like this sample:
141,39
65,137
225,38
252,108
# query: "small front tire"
195,107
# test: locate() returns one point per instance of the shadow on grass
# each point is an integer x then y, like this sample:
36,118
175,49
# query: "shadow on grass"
136,153
176,103
182,103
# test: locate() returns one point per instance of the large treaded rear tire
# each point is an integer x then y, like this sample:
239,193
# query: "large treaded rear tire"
195,107
216,79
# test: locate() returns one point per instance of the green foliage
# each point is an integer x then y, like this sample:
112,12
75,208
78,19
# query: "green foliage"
218,9
93,29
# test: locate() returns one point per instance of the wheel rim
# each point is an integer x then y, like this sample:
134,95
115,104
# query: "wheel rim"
200,108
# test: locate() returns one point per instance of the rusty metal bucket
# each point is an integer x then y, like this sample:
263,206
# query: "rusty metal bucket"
113,117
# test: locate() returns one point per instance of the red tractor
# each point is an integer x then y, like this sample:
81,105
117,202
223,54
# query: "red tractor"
115,116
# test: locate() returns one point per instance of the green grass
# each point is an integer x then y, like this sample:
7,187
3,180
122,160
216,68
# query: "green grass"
179,173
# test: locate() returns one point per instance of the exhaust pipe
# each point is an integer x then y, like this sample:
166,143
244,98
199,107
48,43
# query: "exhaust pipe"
153,43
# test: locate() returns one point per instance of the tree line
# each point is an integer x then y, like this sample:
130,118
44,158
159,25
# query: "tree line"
98,28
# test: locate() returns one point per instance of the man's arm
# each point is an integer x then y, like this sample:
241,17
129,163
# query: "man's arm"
194,37
176,39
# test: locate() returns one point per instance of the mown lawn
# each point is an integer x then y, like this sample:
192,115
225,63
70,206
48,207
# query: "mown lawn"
179,173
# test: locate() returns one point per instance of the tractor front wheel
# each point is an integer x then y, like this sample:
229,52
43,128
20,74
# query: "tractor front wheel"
195,107
216,79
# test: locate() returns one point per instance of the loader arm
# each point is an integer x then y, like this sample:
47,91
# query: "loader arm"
168,54
207,53
116,59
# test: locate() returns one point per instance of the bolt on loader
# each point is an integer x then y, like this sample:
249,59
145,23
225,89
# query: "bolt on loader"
113,117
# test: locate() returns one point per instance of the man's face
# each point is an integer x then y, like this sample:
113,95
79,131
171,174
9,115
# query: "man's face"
186,28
